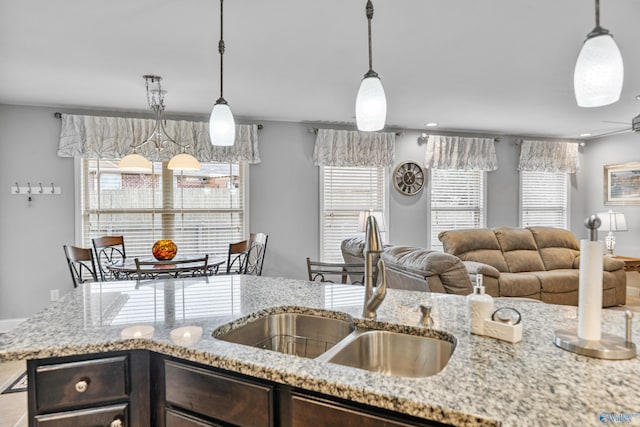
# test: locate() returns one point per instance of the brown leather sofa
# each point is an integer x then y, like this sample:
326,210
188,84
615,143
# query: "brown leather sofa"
534,262
415,269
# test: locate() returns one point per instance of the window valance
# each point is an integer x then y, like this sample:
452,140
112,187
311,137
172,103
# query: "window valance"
549,156
460,153
112,137
353,148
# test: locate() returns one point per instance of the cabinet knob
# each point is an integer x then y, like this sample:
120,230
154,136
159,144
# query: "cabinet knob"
116,423
82,385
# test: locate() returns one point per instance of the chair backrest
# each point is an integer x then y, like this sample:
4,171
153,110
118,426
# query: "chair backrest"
257,251
108,249
81,264
237,257
334,272
191,267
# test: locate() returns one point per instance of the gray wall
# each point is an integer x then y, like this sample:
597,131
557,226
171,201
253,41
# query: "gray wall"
606,151
284,201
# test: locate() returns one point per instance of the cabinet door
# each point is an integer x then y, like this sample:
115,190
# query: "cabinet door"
109,416
177,419
224,398
85,382
307,411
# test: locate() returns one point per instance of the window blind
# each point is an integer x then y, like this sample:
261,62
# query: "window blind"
202,211
544,199
457,201
345,192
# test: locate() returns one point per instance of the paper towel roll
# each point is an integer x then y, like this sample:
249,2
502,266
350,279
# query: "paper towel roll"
590,300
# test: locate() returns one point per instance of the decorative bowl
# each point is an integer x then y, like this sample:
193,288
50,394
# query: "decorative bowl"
164,250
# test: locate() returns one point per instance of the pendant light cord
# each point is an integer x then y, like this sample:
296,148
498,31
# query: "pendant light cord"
597,13
221,51
369,13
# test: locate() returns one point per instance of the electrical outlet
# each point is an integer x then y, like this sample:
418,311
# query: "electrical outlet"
55,294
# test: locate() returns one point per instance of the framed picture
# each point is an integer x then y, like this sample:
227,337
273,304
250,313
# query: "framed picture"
622,184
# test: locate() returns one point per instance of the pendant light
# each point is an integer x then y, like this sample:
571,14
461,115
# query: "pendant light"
135,162
371,103
599,71
222,127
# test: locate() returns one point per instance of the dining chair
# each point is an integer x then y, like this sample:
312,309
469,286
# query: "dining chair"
191,267
108,249
257,251
81,264
237,257
333,272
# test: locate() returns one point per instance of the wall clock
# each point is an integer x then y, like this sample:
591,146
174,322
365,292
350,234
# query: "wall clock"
408,178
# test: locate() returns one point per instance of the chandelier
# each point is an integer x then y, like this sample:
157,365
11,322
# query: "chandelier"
159,137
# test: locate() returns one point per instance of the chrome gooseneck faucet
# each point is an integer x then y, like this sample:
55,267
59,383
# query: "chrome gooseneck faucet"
372,249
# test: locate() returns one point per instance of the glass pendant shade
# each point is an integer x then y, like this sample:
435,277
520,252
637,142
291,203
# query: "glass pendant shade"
371,105
222,127
599,72
134,163
184,162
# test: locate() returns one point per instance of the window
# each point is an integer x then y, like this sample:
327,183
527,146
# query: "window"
202,211
544,199
345,192
457,201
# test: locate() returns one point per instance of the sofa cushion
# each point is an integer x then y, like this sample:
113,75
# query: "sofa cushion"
477,244
519,285
426,263
519,249
558,247
558,281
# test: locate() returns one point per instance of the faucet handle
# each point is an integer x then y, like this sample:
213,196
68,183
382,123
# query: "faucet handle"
425,319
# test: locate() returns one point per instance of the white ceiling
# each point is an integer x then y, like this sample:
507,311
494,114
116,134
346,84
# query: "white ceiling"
490,66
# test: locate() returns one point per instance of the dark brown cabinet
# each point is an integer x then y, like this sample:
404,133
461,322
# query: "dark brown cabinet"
140,388
90,390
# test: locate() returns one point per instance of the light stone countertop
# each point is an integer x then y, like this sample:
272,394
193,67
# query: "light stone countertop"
486,382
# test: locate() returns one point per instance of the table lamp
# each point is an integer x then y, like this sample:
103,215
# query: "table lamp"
378,215
612,221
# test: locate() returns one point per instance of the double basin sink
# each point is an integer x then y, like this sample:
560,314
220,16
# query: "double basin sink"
334,337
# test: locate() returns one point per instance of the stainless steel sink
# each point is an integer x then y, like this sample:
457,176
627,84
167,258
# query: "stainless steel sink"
329,336
306,335
392,353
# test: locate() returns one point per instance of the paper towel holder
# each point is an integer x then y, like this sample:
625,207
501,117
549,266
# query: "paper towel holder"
609,346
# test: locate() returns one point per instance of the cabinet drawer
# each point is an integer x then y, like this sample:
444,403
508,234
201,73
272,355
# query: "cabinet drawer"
80,383
319,413
224,398
176,419
109,416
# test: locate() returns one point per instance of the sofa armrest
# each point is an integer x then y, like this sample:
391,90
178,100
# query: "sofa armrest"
474,267
608,263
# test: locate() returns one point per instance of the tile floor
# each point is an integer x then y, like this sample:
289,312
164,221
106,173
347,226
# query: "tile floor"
13,406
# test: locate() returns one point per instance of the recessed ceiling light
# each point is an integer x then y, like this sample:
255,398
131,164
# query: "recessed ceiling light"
431,124
638,97
585,134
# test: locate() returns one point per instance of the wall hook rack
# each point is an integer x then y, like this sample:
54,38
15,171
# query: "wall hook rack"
28,190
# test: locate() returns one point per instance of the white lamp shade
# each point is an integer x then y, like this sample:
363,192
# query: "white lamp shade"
364,216
222,127
612,221
599,72
371,105
134,163
184,162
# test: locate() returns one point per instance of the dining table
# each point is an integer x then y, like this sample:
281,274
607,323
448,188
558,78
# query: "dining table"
126,268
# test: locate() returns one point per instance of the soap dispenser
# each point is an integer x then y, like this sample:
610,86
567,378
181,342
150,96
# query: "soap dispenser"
480,306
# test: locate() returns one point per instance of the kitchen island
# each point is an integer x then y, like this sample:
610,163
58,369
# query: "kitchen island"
486,381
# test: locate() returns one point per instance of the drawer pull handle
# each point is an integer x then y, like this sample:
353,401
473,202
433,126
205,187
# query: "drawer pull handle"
116,423
82,385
